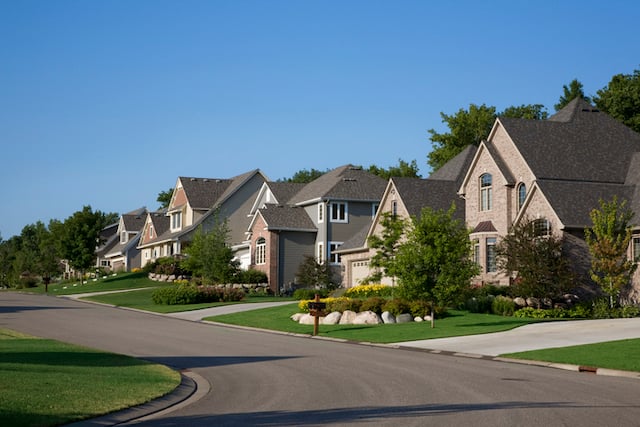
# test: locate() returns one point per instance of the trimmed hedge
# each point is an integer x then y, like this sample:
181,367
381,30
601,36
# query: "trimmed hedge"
192,294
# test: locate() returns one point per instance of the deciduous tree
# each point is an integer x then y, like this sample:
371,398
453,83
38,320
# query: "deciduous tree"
608,241
535,260
209,256
386,245
571,92
434,264
621,99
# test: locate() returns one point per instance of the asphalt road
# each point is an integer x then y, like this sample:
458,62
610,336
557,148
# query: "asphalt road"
265,379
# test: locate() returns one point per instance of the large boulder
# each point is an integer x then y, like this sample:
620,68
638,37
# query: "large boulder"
332,318
367,318
388,317
347,318
520,302
404,318
307,319
297,316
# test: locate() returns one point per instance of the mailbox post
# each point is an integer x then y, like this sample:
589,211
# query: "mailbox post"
316,309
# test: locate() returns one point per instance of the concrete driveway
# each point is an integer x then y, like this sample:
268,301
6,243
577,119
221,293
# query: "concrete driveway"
535,336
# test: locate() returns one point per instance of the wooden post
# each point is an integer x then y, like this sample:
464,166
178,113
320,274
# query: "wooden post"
316,316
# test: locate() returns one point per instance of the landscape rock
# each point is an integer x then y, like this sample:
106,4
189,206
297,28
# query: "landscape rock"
520,302
418,319
332,318
404,318
347,318
388,317
533,302
307,319
367,318
296,317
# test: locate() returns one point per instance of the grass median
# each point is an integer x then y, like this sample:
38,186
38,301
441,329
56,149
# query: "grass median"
48,383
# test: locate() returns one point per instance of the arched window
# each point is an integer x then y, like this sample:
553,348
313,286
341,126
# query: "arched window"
261,251
486,180
522,194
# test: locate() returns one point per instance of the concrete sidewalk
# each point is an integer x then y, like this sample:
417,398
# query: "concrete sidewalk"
535,336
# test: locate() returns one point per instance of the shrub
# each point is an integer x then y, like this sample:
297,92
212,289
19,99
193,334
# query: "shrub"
503,306
251,276
579,311
374,304
309,293
420,308
192,294
479,304
367,291
396,306
343,304
533,313
629,311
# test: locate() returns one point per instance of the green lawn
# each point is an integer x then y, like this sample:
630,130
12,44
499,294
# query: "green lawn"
141,300
456,324
622,355
121,281
47,383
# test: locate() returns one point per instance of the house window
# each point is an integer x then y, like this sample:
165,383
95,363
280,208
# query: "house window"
374,209
492,266
541,227
320,253
522,194
636,249
338,212
261,251
105,263
147,253
485,192
321,212
151,231
334,258
394,208
176,221
476,251
123,237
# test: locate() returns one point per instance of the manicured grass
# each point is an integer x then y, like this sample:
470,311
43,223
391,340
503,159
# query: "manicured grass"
620,355
47,383
141,300
120,281
456,324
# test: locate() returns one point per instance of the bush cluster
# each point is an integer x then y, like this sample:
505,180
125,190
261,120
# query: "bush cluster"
368,291
251,276
192,294
167,265
378,305
309,293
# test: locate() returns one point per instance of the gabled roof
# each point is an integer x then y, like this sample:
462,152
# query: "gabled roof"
456,168
134,222
285,217
284,191
436,194
202,193
349,183
579,143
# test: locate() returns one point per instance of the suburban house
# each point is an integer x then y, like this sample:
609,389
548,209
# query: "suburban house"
406,197
119,250
553,172
199,202
292,222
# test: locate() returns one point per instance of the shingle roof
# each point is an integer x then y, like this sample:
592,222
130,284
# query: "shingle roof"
284,217
436,194
573,201
456,168
203,193
579,143
134,222
355,242
344,183
284,191
484,227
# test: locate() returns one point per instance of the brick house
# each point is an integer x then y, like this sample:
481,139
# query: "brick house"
311,220
554,171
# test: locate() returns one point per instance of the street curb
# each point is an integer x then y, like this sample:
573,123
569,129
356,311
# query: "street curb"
192,387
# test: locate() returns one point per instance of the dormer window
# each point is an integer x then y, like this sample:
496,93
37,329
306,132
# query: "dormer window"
486,192
124,237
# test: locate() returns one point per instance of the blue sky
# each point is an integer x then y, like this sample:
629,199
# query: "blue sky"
106,103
